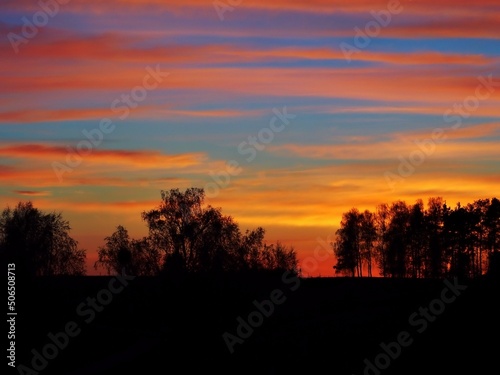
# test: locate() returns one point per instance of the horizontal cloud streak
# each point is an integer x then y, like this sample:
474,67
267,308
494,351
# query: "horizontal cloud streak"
143,158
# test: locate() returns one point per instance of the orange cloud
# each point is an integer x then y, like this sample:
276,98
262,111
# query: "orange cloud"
32,193
389,149
44,115
133,207
33,166
142,158
475,141
467,132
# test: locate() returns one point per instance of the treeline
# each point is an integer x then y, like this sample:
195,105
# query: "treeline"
187,237
413,241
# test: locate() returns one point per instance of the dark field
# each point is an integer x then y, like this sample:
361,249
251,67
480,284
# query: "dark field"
328,325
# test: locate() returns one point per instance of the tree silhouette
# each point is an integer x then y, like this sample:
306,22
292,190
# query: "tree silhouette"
39,244
492,223
382,220
434,255
416,239
460,240
480,209
136,257
278,257
191,236
368,238
410,241
187,237
397,240
347,244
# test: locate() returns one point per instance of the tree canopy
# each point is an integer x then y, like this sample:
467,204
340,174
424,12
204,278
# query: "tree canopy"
39,243
411,241
185,235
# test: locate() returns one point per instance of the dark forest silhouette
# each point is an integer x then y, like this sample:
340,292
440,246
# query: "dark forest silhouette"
411,241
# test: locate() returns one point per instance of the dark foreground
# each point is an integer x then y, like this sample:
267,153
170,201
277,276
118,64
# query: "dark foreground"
328,326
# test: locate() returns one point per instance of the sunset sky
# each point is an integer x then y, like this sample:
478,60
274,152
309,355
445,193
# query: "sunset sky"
324,106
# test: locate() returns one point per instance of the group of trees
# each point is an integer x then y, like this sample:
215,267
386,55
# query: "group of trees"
186,236
413,241
39,243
